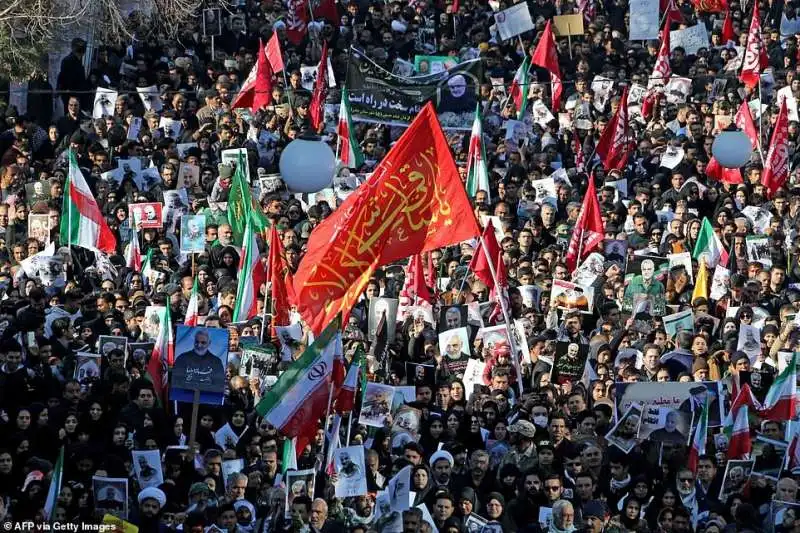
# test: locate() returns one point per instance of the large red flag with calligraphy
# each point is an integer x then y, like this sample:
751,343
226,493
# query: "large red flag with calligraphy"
613,147
414,202
755,52
776,166
710,6
546,56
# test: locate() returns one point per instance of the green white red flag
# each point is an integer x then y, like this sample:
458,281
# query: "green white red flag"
709,245
349,151
519,87
700,436
781,400
82,222
162,358
55,487
192,309
477,171
249,264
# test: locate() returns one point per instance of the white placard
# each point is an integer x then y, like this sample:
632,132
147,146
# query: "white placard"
104,100
691,39
678,89
791,102
513,21
644,20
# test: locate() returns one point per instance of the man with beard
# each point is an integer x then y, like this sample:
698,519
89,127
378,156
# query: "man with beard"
524,509
442,467
523,452
199,368
151,501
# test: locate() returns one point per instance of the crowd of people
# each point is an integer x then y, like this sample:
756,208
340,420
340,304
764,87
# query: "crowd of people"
553,432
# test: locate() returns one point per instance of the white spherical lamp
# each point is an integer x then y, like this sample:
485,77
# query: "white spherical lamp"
732,148
307,164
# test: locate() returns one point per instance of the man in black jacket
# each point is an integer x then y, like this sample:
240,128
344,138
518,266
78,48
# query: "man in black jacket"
72,76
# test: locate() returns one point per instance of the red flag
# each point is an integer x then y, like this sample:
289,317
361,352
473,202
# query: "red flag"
326,9
726,175
727,28
277,268
744,121
274,55
296,21
430,273
479,265
546,56
671,13
658,79
256,90
414,202
613,146
755,53
316,109
710,6
414,291
776,165
588,229
577,149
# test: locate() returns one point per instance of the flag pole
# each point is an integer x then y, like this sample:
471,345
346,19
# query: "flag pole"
503,307
349,424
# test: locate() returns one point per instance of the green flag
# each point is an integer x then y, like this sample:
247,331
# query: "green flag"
242,205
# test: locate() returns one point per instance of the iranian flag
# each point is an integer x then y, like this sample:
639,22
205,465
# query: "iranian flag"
82,223
192,307
300,397
519,87
699,440
55,487
162,358
346,397
781,400
349,152
133,254
477,172
739,444
147,267
247,290
709,245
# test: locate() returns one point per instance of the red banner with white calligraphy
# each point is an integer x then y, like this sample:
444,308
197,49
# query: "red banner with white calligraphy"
414,202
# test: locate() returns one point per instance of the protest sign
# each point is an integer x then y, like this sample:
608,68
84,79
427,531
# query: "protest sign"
513,21
691,39
644,20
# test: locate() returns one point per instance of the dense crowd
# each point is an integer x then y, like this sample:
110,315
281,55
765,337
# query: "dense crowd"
545,436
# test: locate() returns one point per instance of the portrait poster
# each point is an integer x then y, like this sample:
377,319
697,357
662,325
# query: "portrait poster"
737,474
349,465
377,404
147,215
616,250
663,424
176,204
454,343
682,259
407,419
782,515
104,100
398,490
452,317
87,368
379,307
193,234
290,339
644,20
769,456
140,351
588,271
749,341
37,193
759,250
417,374
571,296
474,523
493,337
111,495
759,382
154,317
257,361
231,157
645,280
298,483
531,296
677,322
201,355
46,266
720,282
625,432
403,394
231,466
212,22
39,228
686,399
570,360
106,343
151,98
147,467
226,438
473,375
188,176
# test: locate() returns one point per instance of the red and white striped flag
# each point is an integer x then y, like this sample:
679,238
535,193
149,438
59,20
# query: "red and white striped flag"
658,79
193,306
415,291
133,254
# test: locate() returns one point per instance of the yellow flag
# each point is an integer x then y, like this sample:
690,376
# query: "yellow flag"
120,526
701,283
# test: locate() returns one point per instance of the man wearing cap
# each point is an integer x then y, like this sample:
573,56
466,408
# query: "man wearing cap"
151,501
595,516
523,451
